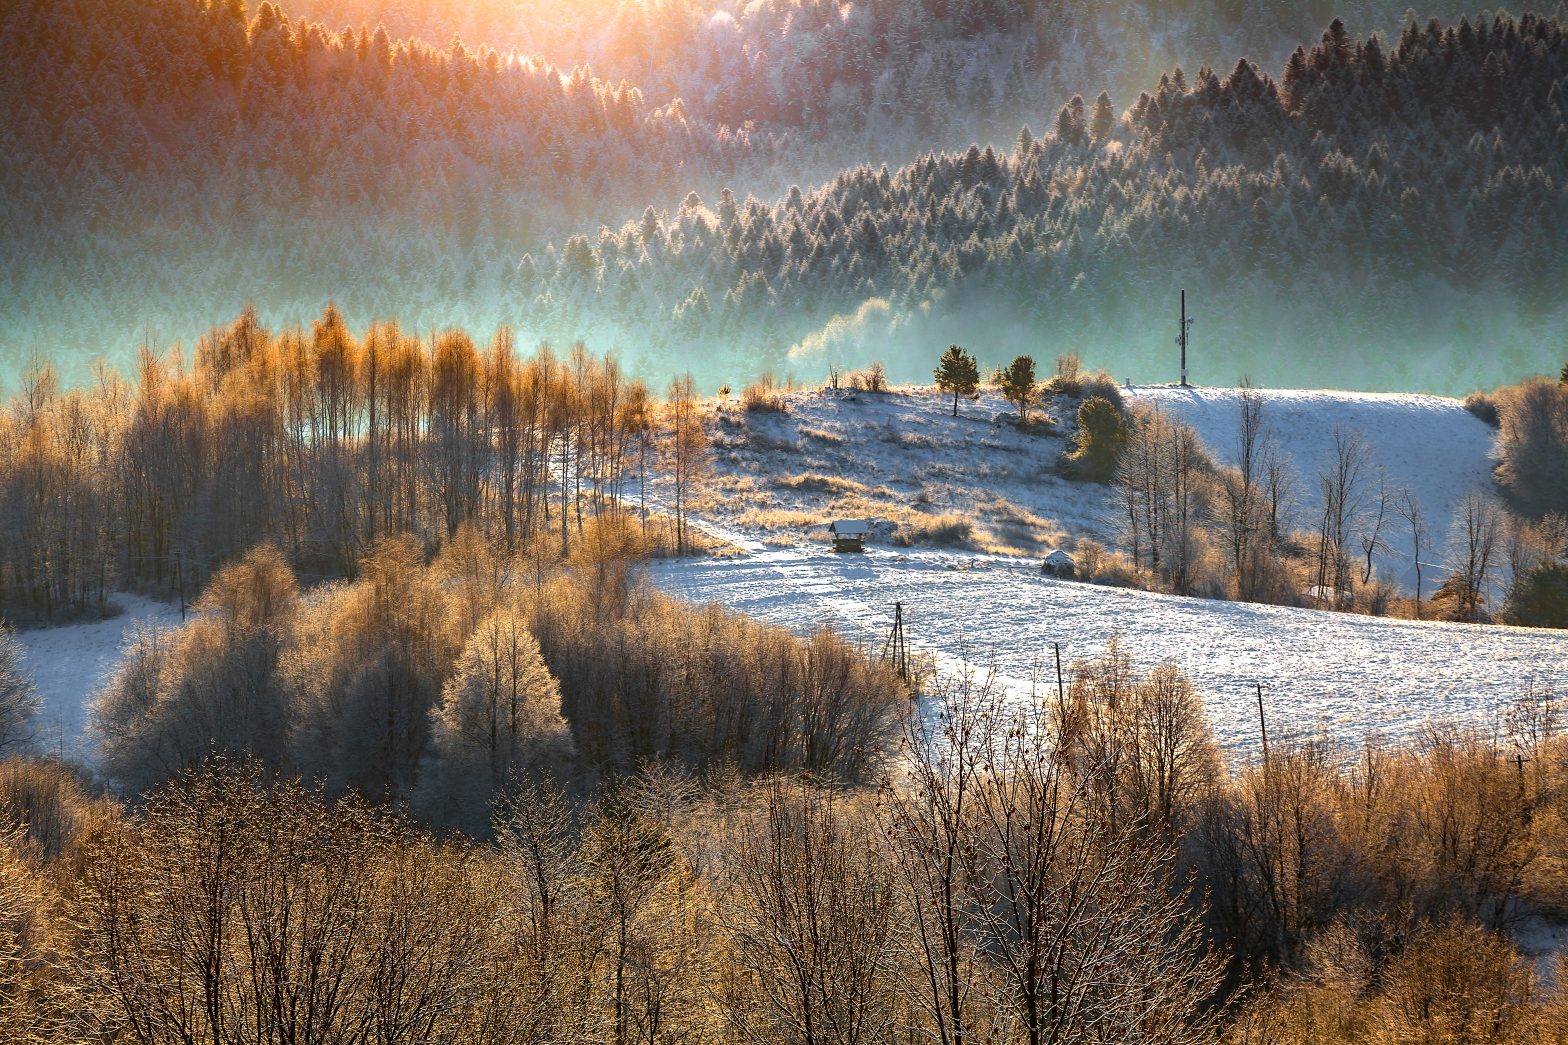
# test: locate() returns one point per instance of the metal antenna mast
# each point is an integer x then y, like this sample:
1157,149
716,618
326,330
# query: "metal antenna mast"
1181,338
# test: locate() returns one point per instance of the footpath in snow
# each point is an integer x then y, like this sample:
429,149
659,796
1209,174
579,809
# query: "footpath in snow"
1342,675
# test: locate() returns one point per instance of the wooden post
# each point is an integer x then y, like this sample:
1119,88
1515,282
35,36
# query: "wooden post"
1061,692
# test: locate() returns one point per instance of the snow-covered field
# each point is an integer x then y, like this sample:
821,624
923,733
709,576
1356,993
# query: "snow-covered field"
1344,675
68,663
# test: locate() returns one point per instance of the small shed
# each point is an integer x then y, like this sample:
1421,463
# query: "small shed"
1059,564
849,535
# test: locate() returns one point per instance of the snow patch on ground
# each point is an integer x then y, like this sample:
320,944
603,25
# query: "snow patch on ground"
70,662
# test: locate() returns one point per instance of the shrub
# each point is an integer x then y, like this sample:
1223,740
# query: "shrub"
1101,565
1539,598
1484,406
1103,386
1098,443
1532,447
871,379
764,395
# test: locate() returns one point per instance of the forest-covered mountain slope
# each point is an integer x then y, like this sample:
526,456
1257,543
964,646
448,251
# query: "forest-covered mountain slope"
163,162
1378,215
158,155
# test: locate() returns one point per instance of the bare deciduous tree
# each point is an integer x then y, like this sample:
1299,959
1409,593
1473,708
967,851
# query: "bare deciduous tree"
1409,509
19,701
1473,552
813,917
1340,490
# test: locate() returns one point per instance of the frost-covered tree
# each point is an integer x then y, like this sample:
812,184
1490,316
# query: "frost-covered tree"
499,716
19,702
958,373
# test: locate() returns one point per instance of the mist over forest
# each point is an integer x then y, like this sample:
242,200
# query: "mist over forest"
1352,196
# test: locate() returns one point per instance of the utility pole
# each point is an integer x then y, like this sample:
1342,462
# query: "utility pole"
1263,728
896,649
1181,338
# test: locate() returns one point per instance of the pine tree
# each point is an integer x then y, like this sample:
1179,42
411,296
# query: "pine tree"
1019,386
959,374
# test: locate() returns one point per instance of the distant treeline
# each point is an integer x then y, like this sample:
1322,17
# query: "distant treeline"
159,159
157,154
322,443
1384,192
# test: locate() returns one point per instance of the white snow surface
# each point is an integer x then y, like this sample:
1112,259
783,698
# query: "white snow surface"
70,662
1339,675
1344,675
1427,444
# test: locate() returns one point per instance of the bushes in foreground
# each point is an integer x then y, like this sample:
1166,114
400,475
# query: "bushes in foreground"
439,682
1077,866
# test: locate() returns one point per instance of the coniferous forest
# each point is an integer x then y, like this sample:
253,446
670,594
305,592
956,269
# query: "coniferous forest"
719,186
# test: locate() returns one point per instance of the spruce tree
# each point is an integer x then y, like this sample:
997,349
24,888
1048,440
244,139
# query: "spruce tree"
958,373
1103,122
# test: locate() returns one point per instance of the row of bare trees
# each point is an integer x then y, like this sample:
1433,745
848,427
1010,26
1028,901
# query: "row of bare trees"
1201,528
322,443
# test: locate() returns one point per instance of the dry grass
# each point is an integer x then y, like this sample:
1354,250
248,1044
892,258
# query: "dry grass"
765,395
816,482
770,520
947,530
821,435
1013,529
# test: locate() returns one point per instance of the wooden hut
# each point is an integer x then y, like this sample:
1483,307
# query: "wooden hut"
849,535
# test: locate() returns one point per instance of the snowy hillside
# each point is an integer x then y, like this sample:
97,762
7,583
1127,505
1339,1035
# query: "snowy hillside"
901,458
1427,444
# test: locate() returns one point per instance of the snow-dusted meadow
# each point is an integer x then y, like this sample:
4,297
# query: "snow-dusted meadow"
1343,675
1338,674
